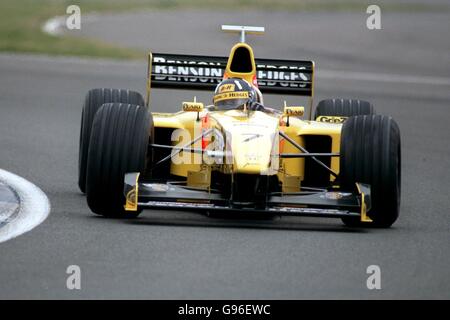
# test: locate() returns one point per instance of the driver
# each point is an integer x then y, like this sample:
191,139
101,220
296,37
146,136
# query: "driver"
237,94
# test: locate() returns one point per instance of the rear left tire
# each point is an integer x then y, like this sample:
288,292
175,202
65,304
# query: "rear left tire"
95,98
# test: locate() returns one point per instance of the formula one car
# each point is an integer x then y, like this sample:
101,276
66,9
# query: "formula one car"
236,154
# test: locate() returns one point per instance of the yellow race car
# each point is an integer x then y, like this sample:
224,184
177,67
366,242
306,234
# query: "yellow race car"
237,154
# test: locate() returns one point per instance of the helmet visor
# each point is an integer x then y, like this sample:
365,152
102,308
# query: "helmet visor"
230,100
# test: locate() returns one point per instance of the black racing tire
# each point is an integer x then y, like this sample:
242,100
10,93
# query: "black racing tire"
95,98
119,144
371,154
343,108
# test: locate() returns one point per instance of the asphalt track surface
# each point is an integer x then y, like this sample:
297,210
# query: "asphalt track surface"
180,255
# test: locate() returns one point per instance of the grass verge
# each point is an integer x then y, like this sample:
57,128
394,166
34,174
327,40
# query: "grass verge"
21,20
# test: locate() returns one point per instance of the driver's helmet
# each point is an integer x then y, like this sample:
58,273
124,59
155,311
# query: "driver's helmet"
234,93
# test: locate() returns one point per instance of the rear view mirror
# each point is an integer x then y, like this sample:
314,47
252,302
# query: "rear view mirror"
291,111
193,106
294,111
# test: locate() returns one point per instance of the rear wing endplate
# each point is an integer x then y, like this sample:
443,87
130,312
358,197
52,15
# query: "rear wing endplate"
179,71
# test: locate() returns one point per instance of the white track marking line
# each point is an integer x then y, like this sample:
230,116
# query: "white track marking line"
34,206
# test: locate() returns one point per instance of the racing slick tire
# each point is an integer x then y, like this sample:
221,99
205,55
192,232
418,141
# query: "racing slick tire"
119,144
95,98
343,108
371,154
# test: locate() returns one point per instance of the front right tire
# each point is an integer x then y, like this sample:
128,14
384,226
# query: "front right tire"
371,154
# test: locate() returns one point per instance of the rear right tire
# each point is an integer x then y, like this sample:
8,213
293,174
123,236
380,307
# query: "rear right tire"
343,108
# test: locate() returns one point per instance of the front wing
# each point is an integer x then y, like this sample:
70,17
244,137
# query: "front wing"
175,195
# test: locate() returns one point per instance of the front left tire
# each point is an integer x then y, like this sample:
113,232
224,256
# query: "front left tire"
119,144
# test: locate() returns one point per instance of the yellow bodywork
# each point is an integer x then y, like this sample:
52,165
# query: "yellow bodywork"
255,143
251,136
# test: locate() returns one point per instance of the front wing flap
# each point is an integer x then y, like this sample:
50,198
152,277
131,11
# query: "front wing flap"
174,195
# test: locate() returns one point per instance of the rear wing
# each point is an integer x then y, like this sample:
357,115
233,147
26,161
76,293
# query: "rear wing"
177,71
